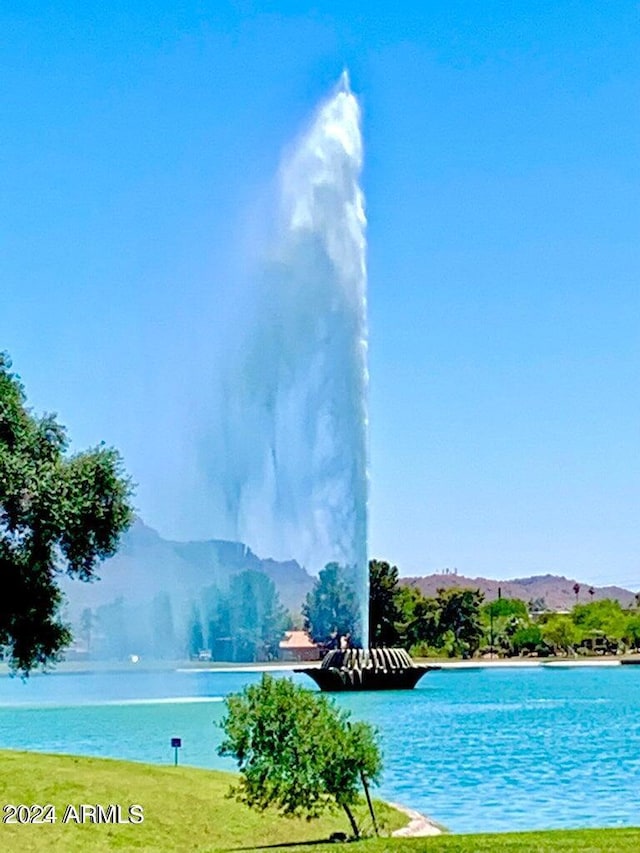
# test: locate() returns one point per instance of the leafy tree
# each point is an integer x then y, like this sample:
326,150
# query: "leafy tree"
384,604
526,639
605,616
331,608
257,619
58,514
460,615
399,614
296,751
560,632
505,608
632,630
420,619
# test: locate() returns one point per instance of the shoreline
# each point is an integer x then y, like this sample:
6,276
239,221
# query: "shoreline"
181,666
419,826
150,666
527,663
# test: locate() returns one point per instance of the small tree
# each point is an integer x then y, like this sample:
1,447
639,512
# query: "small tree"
296,751
506,608
560,632
526,639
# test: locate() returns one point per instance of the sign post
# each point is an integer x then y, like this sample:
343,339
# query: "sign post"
176,743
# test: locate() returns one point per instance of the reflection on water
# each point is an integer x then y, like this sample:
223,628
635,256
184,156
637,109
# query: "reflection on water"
476,750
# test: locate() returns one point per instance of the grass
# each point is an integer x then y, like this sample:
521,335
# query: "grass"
551,841
185,809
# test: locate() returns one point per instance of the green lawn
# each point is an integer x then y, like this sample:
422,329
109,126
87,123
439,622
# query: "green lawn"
567,841
185,809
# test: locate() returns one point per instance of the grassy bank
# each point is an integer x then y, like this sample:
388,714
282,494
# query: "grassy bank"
185,809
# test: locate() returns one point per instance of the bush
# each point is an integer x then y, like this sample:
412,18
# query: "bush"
526,639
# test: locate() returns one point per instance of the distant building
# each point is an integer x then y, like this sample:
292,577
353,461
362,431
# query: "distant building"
298,645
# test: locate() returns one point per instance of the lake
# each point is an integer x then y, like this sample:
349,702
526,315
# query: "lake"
475,749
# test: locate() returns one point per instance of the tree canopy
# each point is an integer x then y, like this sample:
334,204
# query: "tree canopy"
257,618
604,616
58,514
460,618
296,751
559,632
384,609
246,621
332,609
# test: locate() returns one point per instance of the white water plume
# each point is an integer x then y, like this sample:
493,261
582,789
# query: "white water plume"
293,466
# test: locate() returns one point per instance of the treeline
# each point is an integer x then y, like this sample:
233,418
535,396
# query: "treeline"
460,623
246,621
242,622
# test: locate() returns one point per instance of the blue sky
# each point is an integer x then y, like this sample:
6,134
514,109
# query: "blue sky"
502,176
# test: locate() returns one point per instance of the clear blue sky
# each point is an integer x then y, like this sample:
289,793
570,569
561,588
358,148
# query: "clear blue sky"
502,178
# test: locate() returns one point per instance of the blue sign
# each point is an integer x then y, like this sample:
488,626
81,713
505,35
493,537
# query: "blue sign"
176,742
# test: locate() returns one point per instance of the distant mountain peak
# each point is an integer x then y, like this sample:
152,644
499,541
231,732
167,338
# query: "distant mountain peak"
147,564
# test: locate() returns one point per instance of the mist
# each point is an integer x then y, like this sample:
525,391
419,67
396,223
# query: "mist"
288,453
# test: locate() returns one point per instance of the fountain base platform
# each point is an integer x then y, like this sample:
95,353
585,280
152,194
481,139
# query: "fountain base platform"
367,669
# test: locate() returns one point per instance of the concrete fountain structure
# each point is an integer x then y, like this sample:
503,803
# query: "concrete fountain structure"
367,669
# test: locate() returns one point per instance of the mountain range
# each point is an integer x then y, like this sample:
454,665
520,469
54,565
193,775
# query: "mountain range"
147,564
553,592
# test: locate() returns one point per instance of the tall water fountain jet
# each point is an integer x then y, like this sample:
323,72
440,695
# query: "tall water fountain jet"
295,460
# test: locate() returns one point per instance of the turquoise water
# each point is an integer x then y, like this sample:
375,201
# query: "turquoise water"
477,750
